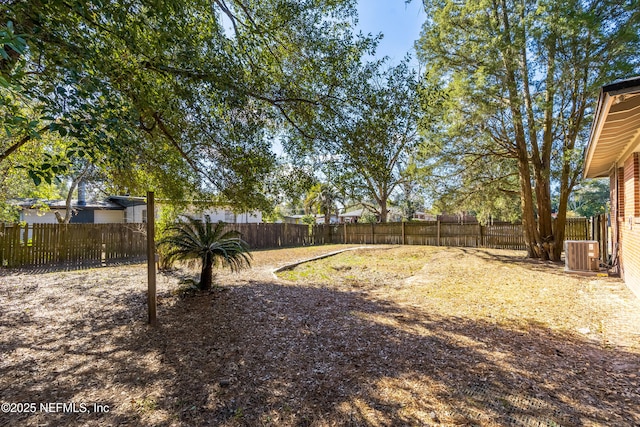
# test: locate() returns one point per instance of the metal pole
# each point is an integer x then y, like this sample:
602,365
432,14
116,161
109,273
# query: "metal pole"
151,259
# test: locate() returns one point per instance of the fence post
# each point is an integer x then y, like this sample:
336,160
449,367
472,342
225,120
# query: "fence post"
151,259
345,232
24,237
285,236
438,234
373,234
403,234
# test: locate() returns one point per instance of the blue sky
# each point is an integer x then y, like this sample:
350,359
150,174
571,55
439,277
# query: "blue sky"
399,22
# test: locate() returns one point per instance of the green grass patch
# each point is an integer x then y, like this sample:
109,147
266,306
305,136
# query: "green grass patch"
367,267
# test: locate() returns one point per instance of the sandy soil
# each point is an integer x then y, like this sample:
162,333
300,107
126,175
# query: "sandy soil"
385,337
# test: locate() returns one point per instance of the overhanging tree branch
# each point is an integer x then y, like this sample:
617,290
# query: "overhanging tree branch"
22,141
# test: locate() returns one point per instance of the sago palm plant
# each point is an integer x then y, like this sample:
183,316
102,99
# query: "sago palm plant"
193,238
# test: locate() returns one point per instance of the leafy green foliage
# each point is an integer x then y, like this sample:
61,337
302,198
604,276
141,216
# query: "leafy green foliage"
409,200
322,199
522,79
465,180
367,138
290,182
368,218
308,219
194,238
177,96
590,198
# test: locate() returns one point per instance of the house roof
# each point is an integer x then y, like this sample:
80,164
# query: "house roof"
127,201
356,213
615,132
294,216
61,204
298,216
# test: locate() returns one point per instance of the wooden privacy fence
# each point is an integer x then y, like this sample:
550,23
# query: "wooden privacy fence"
44,244
432,233
437,233
263,236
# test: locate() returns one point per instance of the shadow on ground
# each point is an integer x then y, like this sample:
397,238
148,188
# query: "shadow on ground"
71,266
270,354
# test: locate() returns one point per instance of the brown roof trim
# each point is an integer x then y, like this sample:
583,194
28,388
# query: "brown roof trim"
622,86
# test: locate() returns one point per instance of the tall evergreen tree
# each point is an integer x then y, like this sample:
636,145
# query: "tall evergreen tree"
524,76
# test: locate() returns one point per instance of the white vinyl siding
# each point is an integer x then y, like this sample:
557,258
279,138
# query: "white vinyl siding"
108,217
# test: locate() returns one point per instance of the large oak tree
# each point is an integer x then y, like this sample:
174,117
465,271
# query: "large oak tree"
368,135
186,94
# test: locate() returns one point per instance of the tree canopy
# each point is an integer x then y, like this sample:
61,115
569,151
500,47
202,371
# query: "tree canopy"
522,76
589,198
368,137
178,95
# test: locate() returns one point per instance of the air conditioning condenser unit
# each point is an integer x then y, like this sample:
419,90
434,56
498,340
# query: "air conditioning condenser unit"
581,255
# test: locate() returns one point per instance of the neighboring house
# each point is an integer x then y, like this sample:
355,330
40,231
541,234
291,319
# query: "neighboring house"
293,219
297,219
351,216
103,212
423,216
135,208
226,214
394,214
613,151
119,209
333,219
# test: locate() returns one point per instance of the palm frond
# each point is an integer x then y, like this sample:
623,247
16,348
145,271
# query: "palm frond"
195,238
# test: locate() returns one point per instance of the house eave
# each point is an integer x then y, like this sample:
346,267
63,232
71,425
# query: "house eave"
615,132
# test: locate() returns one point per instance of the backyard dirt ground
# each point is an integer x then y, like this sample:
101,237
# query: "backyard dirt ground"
384,336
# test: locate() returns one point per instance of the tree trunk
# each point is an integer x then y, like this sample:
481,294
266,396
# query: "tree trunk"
509,58
526,201
545,222
68,209
383,209
206,275
20,143
74,183
542,164
561,222
566,186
